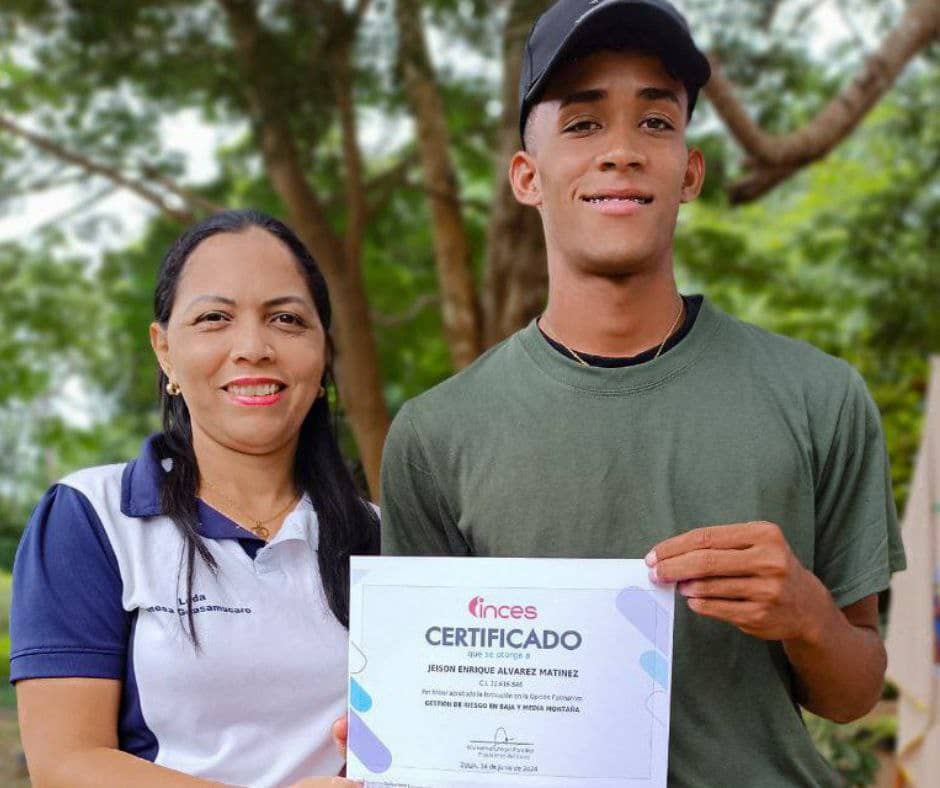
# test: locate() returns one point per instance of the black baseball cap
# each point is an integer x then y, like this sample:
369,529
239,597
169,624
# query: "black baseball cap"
571,29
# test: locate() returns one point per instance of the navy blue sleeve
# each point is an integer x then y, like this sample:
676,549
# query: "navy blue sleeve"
66,617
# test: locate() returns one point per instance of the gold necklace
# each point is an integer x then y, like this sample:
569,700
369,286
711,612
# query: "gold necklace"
672,330
258,528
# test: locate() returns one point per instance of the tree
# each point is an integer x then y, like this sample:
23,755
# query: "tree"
303,73
775,157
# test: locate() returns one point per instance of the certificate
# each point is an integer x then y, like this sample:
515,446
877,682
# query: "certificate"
508,671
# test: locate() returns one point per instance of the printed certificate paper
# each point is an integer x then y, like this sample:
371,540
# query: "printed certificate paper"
508,671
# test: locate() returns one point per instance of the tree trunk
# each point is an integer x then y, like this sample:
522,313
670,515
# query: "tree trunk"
516,279
357,361
459,306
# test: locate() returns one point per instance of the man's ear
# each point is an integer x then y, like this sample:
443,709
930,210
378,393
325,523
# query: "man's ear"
524,178
161,347
694,176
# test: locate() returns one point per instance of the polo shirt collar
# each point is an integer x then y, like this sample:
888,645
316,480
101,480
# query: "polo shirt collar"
140,497
300,525
140,483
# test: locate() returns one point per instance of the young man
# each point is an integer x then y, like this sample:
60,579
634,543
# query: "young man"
628,421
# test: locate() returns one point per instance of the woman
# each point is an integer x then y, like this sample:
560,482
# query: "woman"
181,618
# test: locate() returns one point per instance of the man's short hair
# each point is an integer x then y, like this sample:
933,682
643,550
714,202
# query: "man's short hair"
569,31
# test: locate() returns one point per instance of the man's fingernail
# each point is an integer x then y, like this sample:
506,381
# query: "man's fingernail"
650,558
654,575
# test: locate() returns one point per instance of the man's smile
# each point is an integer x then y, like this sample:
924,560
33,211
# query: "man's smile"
618,202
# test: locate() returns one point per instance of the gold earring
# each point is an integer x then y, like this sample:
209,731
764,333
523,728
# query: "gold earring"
321,392
173,388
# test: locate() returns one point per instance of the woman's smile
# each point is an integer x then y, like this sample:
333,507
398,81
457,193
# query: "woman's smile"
255,392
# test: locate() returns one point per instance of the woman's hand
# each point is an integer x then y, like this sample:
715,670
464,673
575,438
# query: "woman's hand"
340,734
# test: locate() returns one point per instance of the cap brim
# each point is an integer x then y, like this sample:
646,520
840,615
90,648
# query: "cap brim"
627,25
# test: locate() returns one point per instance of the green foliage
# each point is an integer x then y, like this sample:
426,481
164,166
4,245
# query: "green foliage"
853,748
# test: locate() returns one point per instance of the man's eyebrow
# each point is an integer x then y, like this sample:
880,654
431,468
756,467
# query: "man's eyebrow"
659,94
583,97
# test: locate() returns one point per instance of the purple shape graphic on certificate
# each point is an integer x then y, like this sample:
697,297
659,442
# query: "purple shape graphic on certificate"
366,746
641,609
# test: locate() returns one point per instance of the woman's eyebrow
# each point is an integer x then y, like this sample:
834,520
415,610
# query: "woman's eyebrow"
280,301
272,302
215,299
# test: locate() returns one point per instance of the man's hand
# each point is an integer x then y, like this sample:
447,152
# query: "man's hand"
744,574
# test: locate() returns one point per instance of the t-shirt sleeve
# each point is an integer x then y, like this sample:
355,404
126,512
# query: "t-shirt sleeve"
66,616
415,516
858,542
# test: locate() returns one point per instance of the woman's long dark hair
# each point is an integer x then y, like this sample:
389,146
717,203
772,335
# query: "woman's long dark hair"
347,524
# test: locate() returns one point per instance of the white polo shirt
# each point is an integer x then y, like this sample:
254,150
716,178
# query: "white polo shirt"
98,592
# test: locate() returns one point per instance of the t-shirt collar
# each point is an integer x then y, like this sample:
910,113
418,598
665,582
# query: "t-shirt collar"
637,378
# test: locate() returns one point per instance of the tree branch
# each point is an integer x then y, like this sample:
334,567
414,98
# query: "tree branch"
417,307
381,187
55,180
777,156
278,145
769,14
357,214
133,185
187,195
802,16
77,208
758,182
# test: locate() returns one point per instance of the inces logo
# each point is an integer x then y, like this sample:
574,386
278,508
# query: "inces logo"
479,609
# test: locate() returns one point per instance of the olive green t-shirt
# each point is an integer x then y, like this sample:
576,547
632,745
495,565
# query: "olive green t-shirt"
527,453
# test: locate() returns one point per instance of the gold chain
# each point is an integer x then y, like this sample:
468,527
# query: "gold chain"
258,528
672,330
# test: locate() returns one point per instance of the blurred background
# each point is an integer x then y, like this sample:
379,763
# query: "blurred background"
381,132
